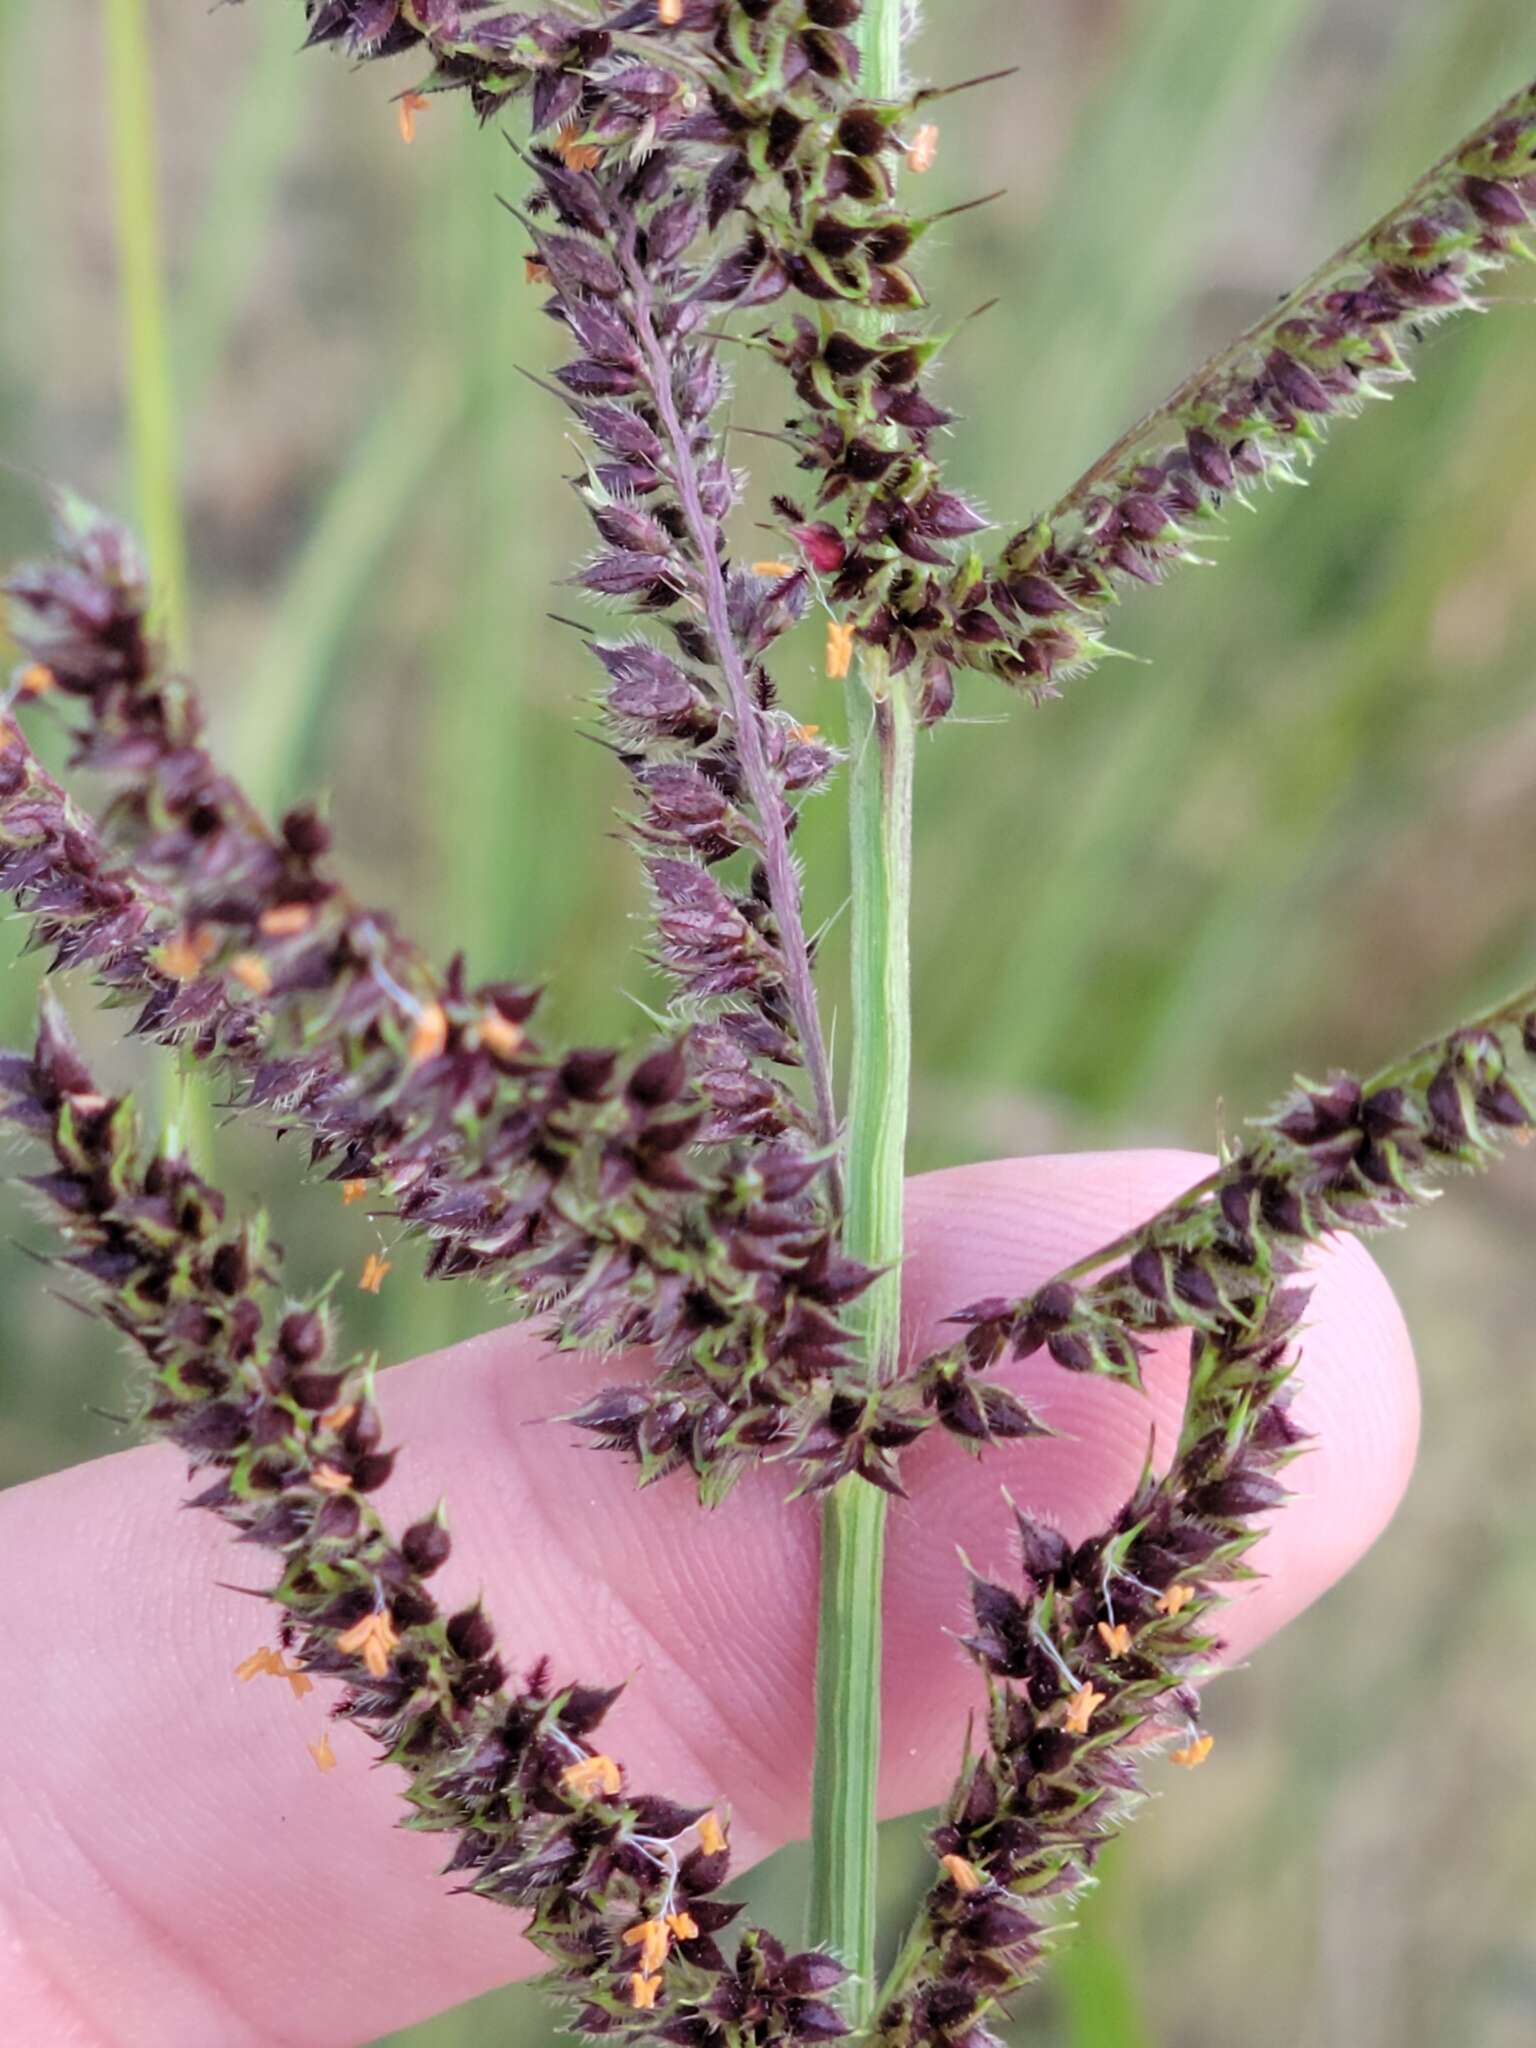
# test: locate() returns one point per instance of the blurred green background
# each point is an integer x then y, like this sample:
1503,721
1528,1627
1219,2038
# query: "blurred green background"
1304,834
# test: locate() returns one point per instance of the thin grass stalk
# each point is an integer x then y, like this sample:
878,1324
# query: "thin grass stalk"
843,1864
882,733
149,392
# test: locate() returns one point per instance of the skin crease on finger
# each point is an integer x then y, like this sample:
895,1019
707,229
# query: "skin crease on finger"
174,1869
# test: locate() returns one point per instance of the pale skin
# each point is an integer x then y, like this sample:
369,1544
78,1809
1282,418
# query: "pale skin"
174,1868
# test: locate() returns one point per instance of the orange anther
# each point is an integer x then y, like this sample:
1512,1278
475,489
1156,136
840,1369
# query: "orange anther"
500,1035
923,149
184,957
329,1480
250,970
299,1681
1081,1708
374,1640
1175,1600
575,155
643,1990
592,1774
376,1269
669,12
653,1940
839,648
773,569
286,920
711,1835
1194,1754
36,680
410,105
322,1752
682,1927
353,1191
964,1876
1117,1638
429,1035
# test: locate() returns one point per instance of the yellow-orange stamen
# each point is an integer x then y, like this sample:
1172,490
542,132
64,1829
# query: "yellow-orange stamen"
299,1681
772,569
329,1480
250,970
575,155
374,1640
839,648
964,1876
286,920
429,1036
805,732
375,1271
184,957
36,680
683,1927
669,12
923,149
643,1990
1176,1599
1117,1638
339,1416
1081,1708
322,1752
410,105
501,1035
653,1941
592,1774
1194,1754
535,272
254,1665
353,1191
711,1835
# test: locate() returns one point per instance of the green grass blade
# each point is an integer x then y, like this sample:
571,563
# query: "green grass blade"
243,193
296,675
151,404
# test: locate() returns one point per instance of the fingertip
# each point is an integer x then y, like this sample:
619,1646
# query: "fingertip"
1004,1228
1358,1396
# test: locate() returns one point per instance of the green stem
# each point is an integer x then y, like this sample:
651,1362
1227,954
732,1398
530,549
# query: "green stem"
843,1858
147,361
154,456
881,71
848,1660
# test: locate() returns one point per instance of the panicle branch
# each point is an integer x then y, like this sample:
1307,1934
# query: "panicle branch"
1346,1156
572,1178
904,559
760,99
1091,1665
637,166
1261,408
1104,1644
621,1887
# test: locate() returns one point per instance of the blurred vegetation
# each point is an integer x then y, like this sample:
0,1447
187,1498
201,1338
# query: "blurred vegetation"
1306,833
